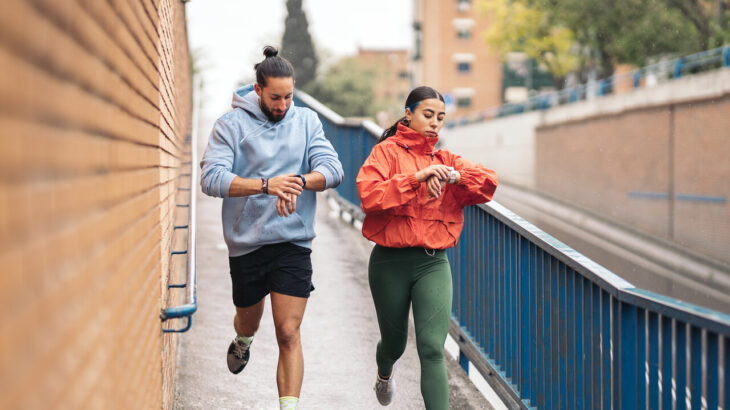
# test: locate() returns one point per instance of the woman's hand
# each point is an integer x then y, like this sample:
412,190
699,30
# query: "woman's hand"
438,171
434,186
285,185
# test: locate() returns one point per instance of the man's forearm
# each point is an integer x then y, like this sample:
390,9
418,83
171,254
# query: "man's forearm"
244,187
315,181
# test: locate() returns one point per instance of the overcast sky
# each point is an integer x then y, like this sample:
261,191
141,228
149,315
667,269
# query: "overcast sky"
229,35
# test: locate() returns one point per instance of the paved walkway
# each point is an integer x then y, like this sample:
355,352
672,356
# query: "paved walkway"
339,333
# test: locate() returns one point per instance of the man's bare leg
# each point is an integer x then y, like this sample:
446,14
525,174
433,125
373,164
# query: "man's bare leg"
247,320
288,312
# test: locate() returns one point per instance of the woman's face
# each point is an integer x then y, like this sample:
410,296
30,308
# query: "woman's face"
428,117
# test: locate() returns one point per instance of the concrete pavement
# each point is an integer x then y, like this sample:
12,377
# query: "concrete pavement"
339,333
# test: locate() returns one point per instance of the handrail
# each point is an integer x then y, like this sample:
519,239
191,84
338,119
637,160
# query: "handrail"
545,326
673,69
191,283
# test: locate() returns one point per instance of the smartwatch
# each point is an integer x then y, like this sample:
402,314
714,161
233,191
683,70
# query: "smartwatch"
304,181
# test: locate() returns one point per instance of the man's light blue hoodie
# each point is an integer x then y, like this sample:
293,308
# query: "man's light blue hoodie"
245,143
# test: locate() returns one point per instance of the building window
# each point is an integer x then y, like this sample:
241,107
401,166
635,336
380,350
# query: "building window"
464,33
463,5
463,27
464,67
463,102
403,75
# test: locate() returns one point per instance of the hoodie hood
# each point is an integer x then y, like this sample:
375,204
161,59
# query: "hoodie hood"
246,99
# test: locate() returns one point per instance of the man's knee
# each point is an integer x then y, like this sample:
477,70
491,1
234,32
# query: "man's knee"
287,336
245,327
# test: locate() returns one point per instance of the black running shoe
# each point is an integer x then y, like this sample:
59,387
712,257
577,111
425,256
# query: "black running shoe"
238,354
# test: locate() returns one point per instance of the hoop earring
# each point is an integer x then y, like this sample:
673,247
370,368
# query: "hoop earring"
406,122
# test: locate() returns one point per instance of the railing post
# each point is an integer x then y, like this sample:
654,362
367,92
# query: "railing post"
602,86
573,95
678,68
464,362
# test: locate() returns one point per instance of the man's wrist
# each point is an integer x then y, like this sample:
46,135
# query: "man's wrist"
304,180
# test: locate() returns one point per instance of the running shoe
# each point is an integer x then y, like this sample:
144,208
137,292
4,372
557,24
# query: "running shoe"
238,354
385,388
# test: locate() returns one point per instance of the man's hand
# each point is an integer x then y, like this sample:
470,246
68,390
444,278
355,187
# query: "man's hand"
286,207
285,185
434,185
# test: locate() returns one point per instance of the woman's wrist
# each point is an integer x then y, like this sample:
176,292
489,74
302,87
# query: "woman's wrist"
454,176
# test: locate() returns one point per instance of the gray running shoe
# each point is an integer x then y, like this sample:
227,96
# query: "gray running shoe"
385,388
238,354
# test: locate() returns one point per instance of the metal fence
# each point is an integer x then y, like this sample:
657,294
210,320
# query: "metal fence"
549,328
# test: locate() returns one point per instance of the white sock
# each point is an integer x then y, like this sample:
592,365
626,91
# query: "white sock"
245,339
288,403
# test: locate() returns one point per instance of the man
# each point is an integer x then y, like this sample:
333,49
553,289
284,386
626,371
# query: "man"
266,159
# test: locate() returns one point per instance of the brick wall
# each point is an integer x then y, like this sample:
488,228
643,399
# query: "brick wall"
638,167
94,110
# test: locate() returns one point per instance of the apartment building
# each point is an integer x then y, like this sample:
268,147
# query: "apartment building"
451,55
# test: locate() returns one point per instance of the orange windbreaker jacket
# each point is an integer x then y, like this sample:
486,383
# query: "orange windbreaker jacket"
398,211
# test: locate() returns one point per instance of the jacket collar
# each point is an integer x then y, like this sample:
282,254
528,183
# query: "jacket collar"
414,140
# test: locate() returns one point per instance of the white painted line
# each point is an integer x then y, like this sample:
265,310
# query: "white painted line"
484,387
452,347
333,204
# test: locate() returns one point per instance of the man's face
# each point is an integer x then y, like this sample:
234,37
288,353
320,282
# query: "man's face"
275,99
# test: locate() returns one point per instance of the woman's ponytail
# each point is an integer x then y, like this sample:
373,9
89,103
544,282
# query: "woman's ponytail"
389,132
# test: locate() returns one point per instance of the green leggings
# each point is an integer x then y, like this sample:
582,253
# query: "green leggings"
397,278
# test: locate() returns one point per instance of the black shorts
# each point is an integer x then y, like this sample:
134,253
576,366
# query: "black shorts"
282,268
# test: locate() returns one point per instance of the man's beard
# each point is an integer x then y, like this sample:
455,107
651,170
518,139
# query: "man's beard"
270,114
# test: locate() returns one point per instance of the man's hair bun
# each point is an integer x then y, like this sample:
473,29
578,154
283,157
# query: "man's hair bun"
272,66
270,51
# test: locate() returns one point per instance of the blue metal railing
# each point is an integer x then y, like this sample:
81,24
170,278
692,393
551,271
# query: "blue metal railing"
191,283
670,69
549,328
562,331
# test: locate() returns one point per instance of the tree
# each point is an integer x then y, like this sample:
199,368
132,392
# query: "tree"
628,31
530,28
297,46
346,89
709,17
597,34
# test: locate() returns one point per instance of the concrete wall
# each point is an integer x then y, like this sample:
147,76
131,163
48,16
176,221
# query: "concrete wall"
701,155
655,160
94,110
506,145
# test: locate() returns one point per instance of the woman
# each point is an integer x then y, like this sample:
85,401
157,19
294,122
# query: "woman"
413,198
